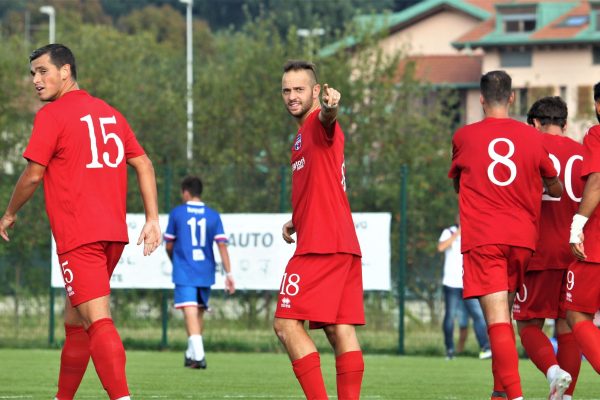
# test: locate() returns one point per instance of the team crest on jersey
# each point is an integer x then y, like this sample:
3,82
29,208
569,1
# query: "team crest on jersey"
298,143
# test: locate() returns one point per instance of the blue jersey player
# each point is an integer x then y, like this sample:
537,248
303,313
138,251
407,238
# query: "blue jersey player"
192,229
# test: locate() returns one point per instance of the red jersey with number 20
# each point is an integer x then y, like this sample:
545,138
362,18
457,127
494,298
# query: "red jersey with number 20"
499,162
591,164
553,250
321,211
84,144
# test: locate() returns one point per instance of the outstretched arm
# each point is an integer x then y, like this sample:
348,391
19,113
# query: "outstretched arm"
150,234
330,99
28,182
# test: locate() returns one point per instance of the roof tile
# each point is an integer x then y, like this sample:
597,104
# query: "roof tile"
444,69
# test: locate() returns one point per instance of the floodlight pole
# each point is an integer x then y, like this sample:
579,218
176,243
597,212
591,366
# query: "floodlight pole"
190,80
49,10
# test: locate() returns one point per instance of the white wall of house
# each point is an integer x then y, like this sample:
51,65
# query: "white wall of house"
569,68
473,110
432,35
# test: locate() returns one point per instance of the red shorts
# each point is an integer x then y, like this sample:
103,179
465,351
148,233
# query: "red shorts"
583,287
87,270
494,268
541,295
324,289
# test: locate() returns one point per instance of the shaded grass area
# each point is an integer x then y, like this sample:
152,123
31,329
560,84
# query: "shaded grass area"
31,374
222,335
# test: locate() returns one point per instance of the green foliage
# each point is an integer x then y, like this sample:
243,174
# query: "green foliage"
242,133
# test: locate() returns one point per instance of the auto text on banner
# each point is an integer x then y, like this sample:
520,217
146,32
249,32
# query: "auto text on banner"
258,253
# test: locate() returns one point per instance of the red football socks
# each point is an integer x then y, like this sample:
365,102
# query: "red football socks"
349,367
108,354
588,339
73,361
538,348
504,353
497,383
569,358
308,372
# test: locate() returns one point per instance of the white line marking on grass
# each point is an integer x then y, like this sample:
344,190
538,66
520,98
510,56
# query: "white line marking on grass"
16,397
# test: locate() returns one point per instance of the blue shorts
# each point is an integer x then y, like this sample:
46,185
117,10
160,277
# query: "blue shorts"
191,296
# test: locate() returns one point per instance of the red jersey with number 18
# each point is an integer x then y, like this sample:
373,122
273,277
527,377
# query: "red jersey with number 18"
84,144
499,162
321,211
553,250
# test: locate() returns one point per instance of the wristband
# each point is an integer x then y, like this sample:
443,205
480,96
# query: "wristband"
229,275
328,107
577,228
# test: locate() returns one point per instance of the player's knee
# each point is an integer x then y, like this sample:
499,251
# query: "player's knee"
279,326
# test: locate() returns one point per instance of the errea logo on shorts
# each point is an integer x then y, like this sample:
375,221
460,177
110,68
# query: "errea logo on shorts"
70,291
569,297
286,303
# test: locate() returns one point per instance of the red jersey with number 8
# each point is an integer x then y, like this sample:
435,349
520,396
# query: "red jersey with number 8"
84,144
553,250
321,211
500,163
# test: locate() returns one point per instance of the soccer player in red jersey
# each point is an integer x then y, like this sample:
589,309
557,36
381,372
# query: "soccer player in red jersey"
496,167
583,279
543,291
322,282
79,147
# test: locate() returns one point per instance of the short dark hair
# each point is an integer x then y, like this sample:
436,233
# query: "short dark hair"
597,92
496,87
59,55
299,65
551,110
192,185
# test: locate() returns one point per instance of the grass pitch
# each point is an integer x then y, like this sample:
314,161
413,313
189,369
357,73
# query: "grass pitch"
32,374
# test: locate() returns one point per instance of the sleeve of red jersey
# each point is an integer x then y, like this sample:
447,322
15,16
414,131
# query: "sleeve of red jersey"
454,167
132,147
44,138
591,152
547,169
321,135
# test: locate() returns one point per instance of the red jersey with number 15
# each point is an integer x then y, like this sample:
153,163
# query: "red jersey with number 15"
500,163
84,144
553,250
321,211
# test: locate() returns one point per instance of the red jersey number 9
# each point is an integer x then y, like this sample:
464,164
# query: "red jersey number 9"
106,137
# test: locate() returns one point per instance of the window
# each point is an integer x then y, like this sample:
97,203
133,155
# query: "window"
515,58
585,101
521,105
596,55
518,19
574,20
563,93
